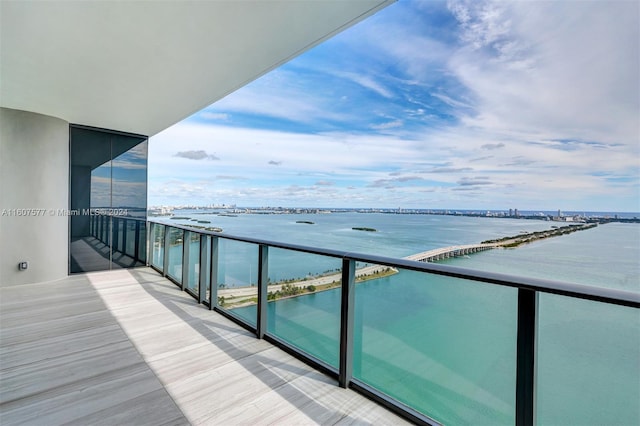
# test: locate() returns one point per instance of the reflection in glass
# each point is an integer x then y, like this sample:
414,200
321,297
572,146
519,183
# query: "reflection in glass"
442,345
108,193
157,245
174,268
130,241
238,278
90,164
129,176
205,255
193,275
588,362
304,308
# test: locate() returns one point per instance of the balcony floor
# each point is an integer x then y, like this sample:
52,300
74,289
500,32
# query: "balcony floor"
127,347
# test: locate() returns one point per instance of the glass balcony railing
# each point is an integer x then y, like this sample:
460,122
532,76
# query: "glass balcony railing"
449,354
173,255
587,356
124,239
237,279
192,263
303,306
434,343
156,243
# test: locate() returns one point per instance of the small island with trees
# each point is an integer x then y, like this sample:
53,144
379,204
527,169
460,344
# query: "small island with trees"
517,240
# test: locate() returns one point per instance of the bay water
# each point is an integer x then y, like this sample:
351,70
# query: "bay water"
445,346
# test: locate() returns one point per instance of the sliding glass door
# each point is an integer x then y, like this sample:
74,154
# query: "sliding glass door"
108,199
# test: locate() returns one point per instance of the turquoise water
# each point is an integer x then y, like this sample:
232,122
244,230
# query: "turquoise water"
446,346
606,256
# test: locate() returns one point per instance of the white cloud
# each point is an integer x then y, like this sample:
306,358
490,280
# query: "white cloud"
548,89
196,155
582,78
252,150
368,82
218,116
539,173
388,125
450,101
492,146
280,95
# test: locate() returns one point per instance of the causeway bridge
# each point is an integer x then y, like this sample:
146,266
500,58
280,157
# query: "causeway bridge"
451,251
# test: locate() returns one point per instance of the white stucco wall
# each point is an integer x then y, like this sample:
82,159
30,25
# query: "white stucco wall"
34,174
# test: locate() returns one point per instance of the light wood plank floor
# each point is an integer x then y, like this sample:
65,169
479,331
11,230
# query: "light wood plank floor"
127,347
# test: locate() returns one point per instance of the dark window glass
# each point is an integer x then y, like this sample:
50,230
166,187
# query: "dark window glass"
108,200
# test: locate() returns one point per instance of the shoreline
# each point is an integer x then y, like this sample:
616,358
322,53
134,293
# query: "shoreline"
245,296
320,284
518,240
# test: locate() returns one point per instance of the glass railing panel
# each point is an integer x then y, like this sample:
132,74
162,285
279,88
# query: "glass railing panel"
120,230
156,243
113,228
588,362
304,302
107,231
106,224
443,346
238,279
100,227
174,268
194,262
205,256
130,241
116,235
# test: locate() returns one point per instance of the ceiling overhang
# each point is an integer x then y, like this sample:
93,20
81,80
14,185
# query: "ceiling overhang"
142,66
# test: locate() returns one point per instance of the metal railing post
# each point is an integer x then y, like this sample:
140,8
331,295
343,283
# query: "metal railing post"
526,357
202,275
145,231
147,242
263,280
347,308
186,249
110,225
213,273
351,339
114,234
167,246
136,245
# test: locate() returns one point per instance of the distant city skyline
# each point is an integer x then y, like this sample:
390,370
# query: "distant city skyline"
168,209
457,105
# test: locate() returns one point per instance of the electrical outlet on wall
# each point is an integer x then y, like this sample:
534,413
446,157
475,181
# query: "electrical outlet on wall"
23,265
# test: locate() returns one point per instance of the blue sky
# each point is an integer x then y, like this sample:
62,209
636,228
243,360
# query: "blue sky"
457,104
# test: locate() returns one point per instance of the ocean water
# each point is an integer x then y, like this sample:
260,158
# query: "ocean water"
397,235
447,346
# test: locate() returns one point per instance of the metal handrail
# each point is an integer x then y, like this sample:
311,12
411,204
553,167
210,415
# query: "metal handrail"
527,303
580,291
